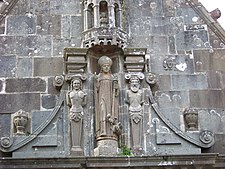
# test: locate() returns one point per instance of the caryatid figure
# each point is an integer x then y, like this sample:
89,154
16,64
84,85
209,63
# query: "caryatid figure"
134,97
106,92
76,99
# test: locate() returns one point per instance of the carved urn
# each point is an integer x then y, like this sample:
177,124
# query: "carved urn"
191,119
20,121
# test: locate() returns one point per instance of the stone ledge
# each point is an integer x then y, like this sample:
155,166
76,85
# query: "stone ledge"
203,161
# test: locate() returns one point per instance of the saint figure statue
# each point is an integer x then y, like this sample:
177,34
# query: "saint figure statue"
106,91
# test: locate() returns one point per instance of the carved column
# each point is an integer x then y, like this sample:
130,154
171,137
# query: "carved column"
111,16
96,16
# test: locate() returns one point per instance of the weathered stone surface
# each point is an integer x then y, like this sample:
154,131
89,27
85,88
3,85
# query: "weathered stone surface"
48,66
76,25
40,7
51,89
189,40
7,66
214,80
11,103
26,46
180,65
20,25
207,98
25,85
21,8
187,82
173,99
66,29
60,43
48,101
210,59
219,146
64,7
5,125
24,67
1,85
49,25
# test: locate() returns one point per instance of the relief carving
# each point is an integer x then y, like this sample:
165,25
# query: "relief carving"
135,99
20,121
76,99
191,119
106,92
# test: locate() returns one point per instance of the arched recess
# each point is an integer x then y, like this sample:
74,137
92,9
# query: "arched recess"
117,15
90,16
104,14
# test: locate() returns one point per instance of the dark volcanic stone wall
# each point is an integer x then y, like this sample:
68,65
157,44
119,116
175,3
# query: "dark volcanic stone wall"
36,32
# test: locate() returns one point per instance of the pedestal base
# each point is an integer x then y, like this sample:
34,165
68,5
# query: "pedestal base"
106,148
76,151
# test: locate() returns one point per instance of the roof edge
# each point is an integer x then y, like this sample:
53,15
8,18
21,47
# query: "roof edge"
204,14
6,8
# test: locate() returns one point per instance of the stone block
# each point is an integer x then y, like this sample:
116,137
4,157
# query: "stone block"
163,83
7,66
216,115
24,67
65,7
66,28
20,8
189,40
48,101
48,66
209,59
25,85
188,82
207,98
172,64
21,25
214,79
5,125
11,103
60,43
40,7
169,8
219,146
76,25
159,44
172,99
49,25
1,85
189,15
51,89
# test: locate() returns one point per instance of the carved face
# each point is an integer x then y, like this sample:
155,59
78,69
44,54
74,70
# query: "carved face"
106,68
134,85
76,84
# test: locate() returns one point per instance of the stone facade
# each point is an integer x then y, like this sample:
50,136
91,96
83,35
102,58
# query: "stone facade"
158,91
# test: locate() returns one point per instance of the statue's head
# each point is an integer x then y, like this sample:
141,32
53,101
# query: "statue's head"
134,84
76,84
105,63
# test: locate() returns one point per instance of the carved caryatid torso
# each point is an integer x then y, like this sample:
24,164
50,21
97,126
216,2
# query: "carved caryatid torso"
135,100
77,99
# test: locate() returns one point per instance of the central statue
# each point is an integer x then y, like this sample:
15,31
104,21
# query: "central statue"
106,105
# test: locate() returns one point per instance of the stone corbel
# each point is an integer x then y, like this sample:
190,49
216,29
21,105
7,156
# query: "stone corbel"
75,60
134,59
